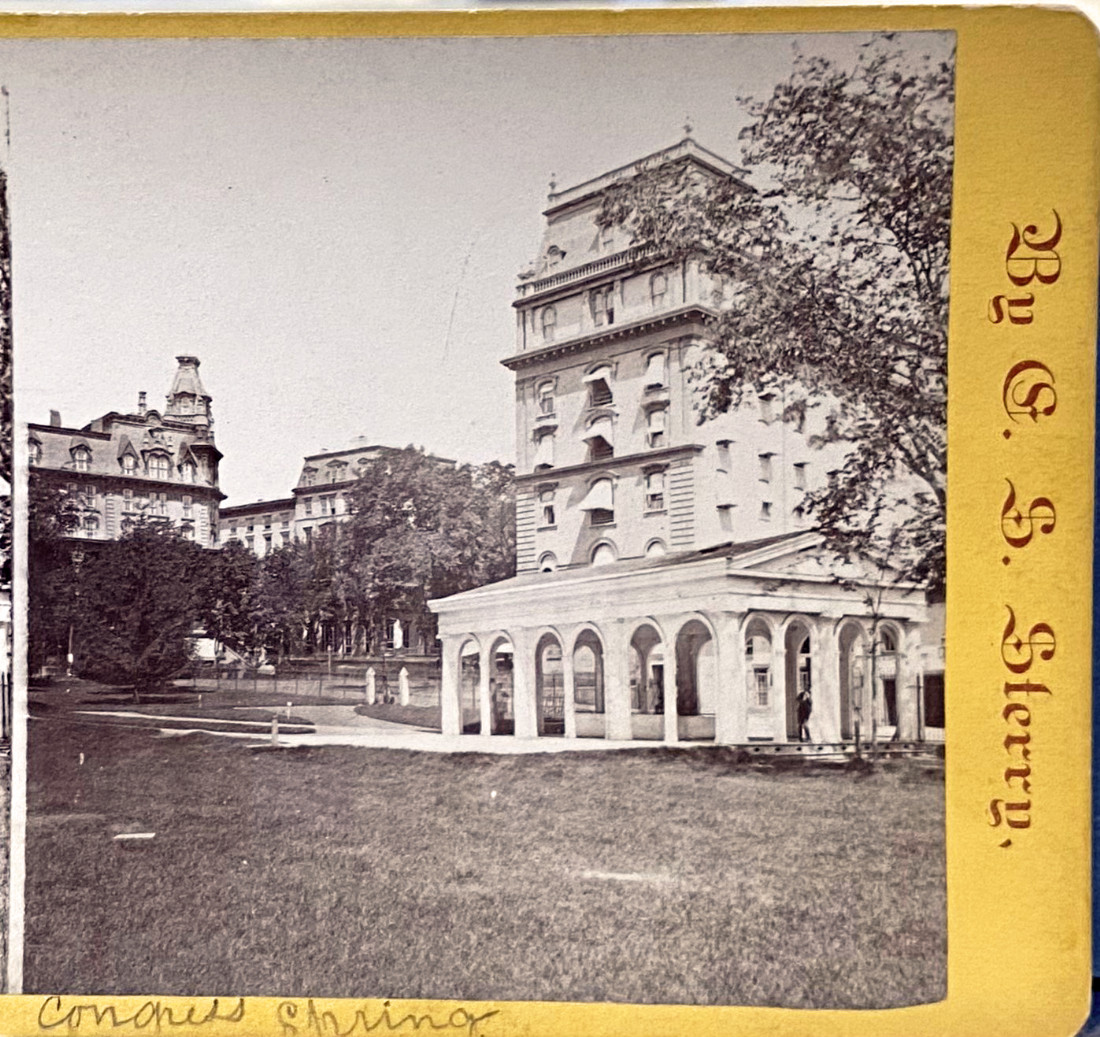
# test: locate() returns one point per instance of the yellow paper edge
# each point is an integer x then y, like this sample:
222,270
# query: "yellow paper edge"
1028,100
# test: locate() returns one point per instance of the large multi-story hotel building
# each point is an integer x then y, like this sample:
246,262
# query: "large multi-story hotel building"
668,582
122,467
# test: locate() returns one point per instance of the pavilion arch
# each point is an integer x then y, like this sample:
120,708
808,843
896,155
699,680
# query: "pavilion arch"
757,641
697,684
852,643
549,683
799,641
889,646
470,683
589,700
502,664
646,651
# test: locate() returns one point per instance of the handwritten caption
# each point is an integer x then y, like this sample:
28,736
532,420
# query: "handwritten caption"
292,1018
1028,397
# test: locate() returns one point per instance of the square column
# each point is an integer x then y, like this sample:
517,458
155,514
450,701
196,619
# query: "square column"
484,690
616,684
672,720
779,688
567,680
732,712
525,708
825,687
908,667
450,687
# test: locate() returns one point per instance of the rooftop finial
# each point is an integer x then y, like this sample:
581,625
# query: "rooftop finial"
688,128
553,182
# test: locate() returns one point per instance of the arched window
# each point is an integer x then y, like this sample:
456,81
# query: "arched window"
603,554
758,664
548,562
549,321
547,516
602,304
599,502
655,428
129,464
599,381
600,438
656,371
544,450
658,288
655,491
546,398
656,549
82,459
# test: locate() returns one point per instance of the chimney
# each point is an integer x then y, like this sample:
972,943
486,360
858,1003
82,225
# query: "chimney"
141,404
55,419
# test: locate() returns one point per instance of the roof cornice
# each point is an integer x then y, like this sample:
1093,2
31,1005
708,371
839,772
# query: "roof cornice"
581,343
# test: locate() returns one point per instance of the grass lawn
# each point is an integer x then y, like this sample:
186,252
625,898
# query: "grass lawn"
653,876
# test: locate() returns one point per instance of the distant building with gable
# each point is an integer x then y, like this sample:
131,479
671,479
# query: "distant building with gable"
161,466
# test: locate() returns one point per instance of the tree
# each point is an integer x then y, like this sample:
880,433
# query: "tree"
421,529
51,572
834,273
229,597
139,604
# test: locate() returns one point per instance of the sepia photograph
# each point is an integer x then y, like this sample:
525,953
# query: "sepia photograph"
486,503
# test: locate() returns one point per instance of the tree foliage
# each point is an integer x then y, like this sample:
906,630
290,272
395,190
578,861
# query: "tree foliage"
834,269
422,529
139,601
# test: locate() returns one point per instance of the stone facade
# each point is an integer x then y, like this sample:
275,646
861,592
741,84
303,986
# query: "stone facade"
120,468
669,585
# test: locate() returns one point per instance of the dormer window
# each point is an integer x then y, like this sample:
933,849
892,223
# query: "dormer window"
187,472
34,451
308,476
554,256
656,371
158,466
655,428
600,438
82,459
602,305
549,321
658,288
607,238
129,464
599,386
545,394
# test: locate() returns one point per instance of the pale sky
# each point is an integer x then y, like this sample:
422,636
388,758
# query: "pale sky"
334,227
